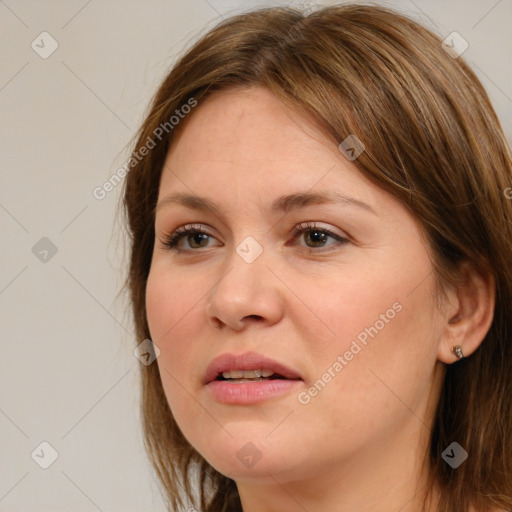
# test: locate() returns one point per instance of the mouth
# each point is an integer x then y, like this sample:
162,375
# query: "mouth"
248,378
239,376
247,367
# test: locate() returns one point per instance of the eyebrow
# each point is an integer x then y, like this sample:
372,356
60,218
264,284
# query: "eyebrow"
282,204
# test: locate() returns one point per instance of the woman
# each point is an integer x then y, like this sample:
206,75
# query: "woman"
320,251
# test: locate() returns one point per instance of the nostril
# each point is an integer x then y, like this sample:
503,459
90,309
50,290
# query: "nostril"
217,322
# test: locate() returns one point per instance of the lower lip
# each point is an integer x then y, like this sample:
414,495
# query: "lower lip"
250,392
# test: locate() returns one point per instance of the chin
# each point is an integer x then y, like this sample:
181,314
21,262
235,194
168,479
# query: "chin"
254,458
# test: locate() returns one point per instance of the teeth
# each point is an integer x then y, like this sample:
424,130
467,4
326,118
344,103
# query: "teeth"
247,374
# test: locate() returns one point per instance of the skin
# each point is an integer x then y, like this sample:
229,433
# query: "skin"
358,444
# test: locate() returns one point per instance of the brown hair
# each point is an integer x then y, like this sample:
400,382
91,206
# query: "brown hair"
432,140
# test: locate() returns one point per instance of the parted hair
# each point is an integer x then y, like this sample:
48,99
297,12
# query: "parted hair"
432,140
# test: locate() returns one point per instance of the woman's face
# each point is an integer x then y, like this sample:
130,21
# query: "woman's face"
303,261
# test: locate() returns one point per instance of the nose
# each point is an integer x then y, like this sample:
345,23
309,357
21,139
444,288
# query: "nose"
247,293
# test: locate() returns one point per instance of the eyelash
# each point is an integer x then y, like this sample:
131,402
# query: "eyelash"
171,241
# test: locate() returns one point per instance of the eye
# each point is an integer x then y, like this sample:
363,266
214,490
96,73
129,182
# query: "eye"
317,237
191,234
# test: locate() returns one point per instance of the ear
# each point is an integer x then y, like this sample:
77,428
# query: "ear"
468,313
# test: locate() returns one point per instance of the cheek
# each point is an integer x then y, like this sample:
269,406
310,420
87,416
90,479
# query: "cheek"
382,359
175,317
172,312
353,306
386,333
388,303
170,302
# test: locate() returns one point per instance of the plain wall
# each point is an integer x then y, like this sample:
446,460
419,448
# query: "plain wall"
67,372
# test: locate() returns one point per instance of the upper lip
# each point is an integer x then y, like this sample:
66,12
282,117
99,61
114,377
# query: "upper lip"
246,361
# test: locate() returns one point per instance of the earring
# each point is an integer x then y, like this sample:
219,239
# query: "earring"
457,350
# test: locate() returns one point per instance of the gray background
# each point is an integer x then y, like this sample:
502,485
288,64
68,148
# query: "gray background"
68,373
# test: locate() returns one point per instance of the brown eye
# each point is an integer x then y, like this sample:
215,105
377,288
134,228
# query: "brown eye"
189,237
196,240
316,238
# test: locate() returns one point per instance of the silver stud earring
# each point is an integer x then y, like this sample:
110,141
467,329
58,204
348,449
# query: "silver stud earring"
457,350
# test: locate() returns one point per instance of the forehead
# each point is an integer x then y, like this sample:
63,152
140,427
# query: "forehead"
246,136
251,122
